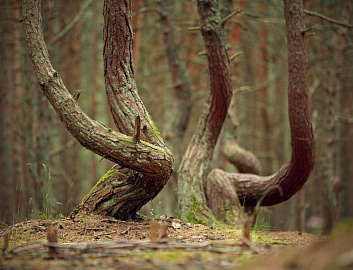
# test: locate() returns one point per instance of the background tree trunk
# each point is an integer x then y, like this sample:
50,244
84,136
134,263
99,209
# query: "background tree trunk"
10,93
94,90
243,160
182,88
75,85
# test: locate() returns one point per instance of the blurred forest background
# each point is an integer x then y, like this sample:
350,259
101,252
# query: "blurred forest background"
45,173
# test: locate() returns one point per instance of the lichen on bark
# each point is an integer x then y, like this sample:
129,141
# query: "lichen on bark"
144,167
196,159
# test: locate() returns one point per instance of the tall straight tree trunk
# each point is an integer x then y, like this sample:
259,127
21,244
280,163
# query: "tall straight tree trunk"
64,67
16,99
144,162
270,190
333,148
94,89
7,171
264,144
346,103
75,76
182,87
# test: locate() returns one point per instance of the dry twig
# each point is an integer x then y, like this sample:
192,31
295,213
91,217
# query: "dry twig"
315,14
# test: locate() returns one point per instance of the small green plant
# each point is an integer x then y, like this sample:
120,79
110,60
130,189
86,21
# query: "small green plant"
191,217
261,222
266,239
16,210
30,210
256,213
47,190
60,216
68,200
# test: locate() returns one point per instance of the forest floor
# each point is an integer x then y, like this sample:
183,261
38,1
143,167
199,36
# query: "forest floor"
95,242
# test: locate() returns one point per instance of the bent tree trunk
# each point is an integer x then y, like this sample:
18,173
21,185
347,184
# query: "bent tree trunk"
195,162
244,161
145,163
252,189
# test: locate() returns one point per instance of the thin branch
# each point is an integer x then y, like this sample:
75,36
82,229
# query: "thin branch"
145,10
76,95
235,55
195,28
70,25
315,14
259,17
62,148
242,12
345,119
228,17
307,29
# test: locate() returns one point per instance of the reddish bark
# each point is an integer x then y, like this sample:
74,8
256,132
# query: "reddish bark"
196,159
137,24
274,189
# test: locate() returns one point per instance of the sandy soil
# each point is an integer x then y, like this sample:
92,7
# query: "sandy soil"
94,242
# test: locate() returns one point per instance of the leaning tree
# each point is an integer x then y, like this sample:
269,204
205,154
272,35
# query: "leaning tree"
144,163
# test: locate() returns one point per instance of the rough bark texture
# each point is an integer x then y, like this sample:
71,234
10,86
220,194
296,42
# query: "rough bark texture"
121,91
146,166
195,162
274,189
221,197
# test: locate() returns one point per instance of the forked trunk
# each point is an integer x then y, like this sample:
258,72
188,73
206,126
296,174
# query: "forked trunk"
145,164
